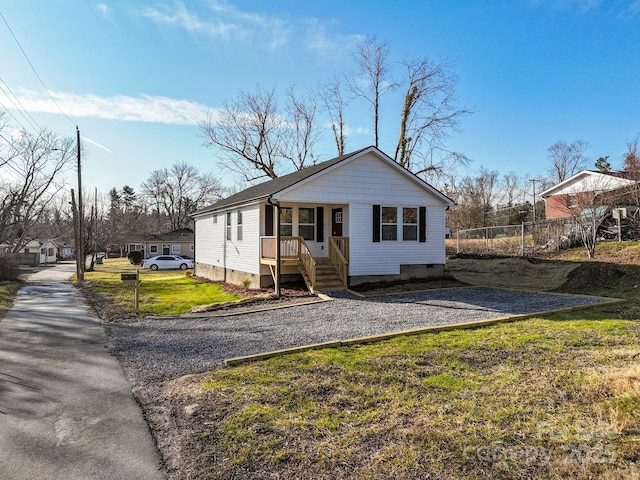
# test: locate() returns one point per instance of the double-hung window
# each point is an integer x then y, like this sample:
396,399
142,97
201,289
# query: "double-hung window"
307,223
410,224
239,225
389,223
229,226
286,221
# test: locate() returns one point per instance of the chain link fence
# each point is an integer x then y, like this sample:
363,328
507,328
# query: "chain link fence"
516,240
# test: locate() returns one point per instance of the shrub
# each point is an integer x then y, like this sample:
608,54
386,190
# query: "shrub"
136,257
9,269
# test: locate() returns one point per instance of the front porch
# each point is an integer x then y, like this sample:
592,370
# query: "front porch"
319,273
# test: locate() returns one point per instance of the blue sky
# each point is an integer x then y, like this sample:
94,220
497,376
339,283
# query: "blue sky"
136,77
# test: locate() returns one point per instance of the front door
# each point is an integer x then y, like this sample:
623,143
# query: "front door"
336,222
166,249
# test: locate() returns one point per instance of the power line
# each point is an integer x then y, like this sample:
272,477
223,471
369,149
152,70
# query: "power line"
23,111
34,70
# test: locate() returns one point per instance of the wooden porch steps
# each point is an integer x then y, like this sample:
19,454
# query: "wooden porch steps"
327,277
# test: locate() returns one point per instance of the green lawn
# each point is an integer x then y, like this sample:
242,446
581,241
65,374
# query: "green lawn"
8,290
163,292
554,397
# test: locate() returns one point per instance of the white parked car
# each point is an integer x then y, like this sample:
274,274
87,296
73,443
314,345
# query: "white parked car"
168,262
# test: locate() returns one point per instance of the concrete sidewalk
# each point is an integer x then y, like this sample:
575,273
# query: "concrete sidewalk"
66,409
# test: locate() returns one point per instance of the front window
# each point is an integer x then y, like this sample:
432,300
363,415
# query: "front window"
306,223
389,223
175,249
409,224
286,222
228,225
239,224
153,248
50,252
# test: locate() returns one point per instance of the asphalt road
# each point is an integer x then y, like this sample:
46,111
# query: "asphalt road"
66,409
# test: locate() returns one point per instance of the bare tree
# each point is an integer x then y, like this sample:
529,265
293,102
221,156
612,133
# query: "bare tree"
631,163
591,206
567,159
373,78
247,132
179,191
255,137
430,114
631,160
511,185
475,201
32,168
335,104
301,132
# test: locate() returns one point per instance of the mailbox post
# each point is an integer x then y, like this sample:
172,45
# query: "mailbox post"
134,279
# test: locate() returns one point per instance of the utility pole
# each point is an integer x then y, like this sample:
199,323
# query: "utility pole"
80,260
534,180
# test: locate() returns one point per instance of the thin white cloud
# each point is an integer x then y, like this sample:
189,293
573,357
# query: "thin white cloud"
182,18
328,45
93,142
143,108
104,8
223,21
348,131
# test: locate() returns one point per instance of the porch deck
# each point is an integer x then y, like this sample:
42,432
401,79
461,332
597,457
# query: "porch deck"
318,272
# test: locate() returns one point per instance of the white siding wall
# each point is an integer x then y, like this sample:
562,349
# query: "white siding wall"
212,248
367,181
385,257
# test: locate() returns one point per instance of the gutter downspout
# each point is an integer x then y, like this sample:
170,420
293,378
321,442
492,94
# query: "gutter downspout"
278,253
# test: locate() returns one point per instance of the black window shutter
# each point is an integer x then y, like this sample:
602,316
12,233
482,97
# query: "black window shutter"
268,220
376,223
422,224
319,224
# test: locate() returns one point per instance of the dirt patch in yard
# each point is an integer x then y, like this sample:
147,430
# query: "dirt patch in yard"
511,272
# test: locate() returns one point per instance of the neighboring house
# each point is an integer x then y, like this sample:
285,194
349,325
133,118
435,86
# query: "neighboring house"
176,242
567,198
358,218
46,251
65,250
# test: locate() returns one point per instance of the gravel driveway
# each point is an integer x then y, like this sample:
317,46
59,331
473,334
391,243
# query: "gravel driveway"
153,350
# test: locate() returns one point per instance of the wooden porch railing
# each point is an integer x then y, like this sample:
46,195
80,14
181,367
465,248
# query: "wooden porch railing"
308,263
294,250
289,247
339,255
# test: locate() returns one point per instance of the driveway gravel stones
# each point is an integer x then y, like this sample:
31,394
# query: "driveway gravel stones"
153,350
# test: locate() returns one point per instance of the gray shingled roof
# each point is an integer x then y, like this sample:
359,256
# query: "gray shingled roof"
271,187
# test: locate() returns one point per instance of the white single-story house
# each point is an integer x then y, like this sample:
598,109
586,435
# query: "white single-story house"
357,218
66,251
46,250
